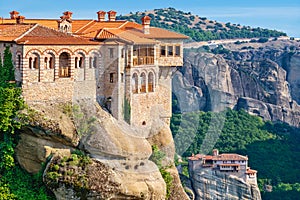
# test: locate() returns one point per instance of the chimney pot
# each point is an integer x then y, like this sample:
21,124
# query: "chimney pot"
112,15
68,15
20,19
146,24
14,14
101,15
215,152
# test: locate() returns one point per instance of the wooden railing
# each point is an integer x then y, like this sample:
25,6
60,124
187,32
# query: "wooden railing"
64,72
143,60
143,88
150,87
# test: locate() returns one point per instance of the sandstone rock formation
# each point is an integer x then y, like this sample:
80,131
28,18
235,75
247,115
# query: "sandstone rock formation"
120,167
262,80
212,185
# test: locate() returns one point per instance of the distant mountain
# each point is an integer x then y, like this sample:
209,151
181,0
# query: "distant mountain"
199,28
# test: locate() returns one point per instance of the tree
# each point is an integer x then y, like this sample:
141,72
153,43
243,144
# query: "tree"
7,72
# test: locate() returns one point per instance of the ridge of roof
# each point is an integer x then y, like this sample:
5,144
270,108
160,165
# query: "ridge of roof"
27,32
84,26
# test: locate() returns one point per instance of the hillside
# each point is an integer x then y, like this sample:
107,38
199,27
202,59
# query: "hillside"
199,28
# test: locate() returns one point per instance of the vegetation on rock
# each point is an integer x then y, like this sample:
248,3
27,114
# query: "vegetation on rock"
15,183
157,157
273,149
199,28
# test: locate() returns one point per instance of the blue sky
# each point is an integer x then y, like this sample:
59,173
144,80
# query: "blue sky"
281,15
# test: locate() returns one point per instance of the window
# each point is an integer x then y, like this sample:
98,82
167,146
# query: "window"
64,65
122,52
122,78
177,50
162,50
51,63
150,82
111,52
170,50
30,63
80,62
95,62
19,61
45,63
35,63
143,82
134,83
76,62
111,77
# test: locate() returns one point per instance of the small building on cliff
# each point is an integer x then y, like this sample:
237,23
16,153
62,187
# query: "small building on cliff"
125,66
226,163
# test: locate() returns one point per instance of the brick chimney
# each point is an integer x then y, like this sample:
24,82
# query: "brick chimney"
215,152
146,24
14,14
101,15
112,15
20,19
68,15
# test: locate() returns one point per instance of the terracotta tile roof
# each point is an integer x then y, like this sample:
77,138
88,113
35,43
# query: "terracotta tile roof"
228,156
158,33
9,32
123,35
251,171
225,157
96,26
37,34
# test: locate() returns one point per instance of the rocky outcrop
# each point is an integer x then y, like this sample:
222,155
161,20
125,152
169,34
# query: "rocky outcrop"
211,185
120,167
267,76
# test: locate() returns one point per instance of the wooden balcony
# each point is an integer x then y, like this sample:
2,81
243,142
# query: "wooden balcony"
143,60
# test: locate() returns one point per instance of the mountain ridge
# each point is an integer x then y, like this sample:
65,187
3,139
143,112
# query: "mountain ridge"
199,28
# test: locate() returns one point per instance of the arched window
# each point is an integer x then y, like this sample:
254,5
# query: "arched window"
64,65
95,62
76,62
150,82
51,62
143,82
35,63
134,83
30,63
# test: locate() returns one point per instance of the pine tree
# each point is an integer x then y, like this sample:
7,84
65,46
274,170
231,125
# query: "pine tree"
7,72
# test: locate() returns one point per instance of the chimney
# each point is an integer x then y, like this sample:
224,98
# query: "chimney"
68,15
215,152
14,14
146,24
112,16
101,16
20,19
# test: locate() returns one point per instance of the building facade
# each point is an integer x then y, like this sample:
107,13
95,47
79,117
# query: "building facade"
227,163
125,66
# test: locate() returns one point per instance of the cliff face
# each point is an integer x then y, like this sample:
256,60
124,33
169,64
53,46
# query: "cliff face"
119,167
262,80
209,185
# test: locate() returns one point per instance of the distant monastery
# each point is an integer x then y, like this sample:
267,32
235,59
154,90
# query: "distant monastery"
226,163
123,65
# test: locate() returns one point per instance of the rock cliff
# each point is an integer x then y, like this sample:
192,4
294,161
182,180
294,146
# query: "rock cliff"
118,165
263,79
210,185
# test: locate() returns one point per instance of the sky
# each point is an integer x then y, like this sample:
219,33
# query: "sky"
283,15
